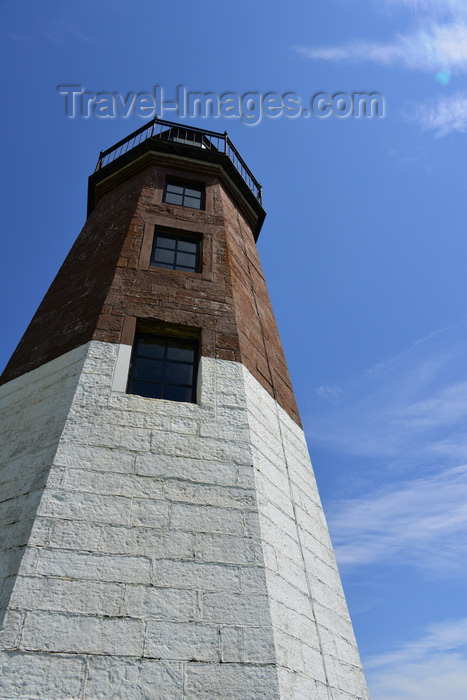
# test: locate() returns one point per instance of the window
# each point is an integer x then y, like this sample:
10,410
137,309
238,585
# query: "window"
184,195
176,252
163,367
187,136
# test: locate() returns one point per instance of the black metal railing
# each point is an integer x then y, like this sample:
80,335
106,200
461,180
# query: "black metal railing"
159,128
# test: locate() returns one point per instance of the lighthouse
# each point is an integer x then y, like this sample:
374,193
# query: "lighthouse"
162,532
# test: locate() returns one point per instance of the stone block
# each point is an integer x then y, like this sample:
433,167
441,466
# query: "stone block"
253,579
258,645
11,622
231,682
84,634
147,512
147,541
196,576
227,549
105,459
160,603
199,469
99,567
231,644
116,436
190,641
80,505
295,622
347,678
65,595
207,495
126,678
300,687
236,609
19,508
10,561
40,676
119,485
201,518
75,534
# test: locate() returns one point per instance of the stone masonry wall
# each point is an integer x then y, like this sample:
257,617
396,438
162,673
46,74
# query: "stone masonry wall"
33,411
145,575
316,651
259,341
179,551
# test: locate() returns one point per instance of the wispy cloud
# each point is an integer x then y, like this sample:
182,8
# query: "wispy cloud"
455,7
408,411
431,48
405,416
433,667
331,392
440,637
420,523
447,407
444,116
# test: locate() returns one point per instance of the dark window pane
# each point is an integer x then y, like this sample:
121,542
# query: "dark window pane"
148,369
165,242
192,203
187,260
180,352
178,393
162,255
187,246
146,389
178,373
151,346
192,192
175,188
172,198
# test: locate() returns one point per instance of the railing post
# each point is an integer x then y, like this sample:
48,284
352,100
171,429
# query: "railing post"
99,161
226,137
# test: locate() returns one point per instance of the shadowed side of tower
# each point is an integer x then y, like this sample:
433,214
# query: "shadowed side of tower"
164,536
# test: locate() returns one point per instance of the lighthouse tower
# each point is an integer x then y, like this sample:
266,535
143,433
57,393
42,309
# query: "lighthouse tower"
161,528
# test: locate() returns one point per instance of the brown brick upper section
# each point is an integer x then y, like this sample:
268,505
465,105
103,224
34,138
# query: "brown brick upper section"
106,278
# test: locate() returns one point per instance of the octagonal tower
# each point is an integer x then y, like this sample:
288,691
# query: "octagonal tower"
163,532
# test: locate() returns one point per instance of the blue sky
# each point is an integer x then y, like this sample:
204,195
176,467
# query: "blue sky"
364,249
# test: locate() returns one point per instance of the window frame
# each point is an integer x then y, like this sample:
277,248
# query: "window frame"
189,338
177,236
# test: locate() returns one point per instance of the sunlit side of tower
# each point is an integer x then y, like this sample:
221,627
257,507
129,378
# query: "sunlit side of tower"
162,531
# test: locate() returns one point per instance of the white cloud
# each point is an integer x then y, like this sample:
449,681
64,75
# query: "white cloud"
432,6
332,392
404,416
409,411
434,47
440,637
420,523
442,676
446,115
448,406
433,667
